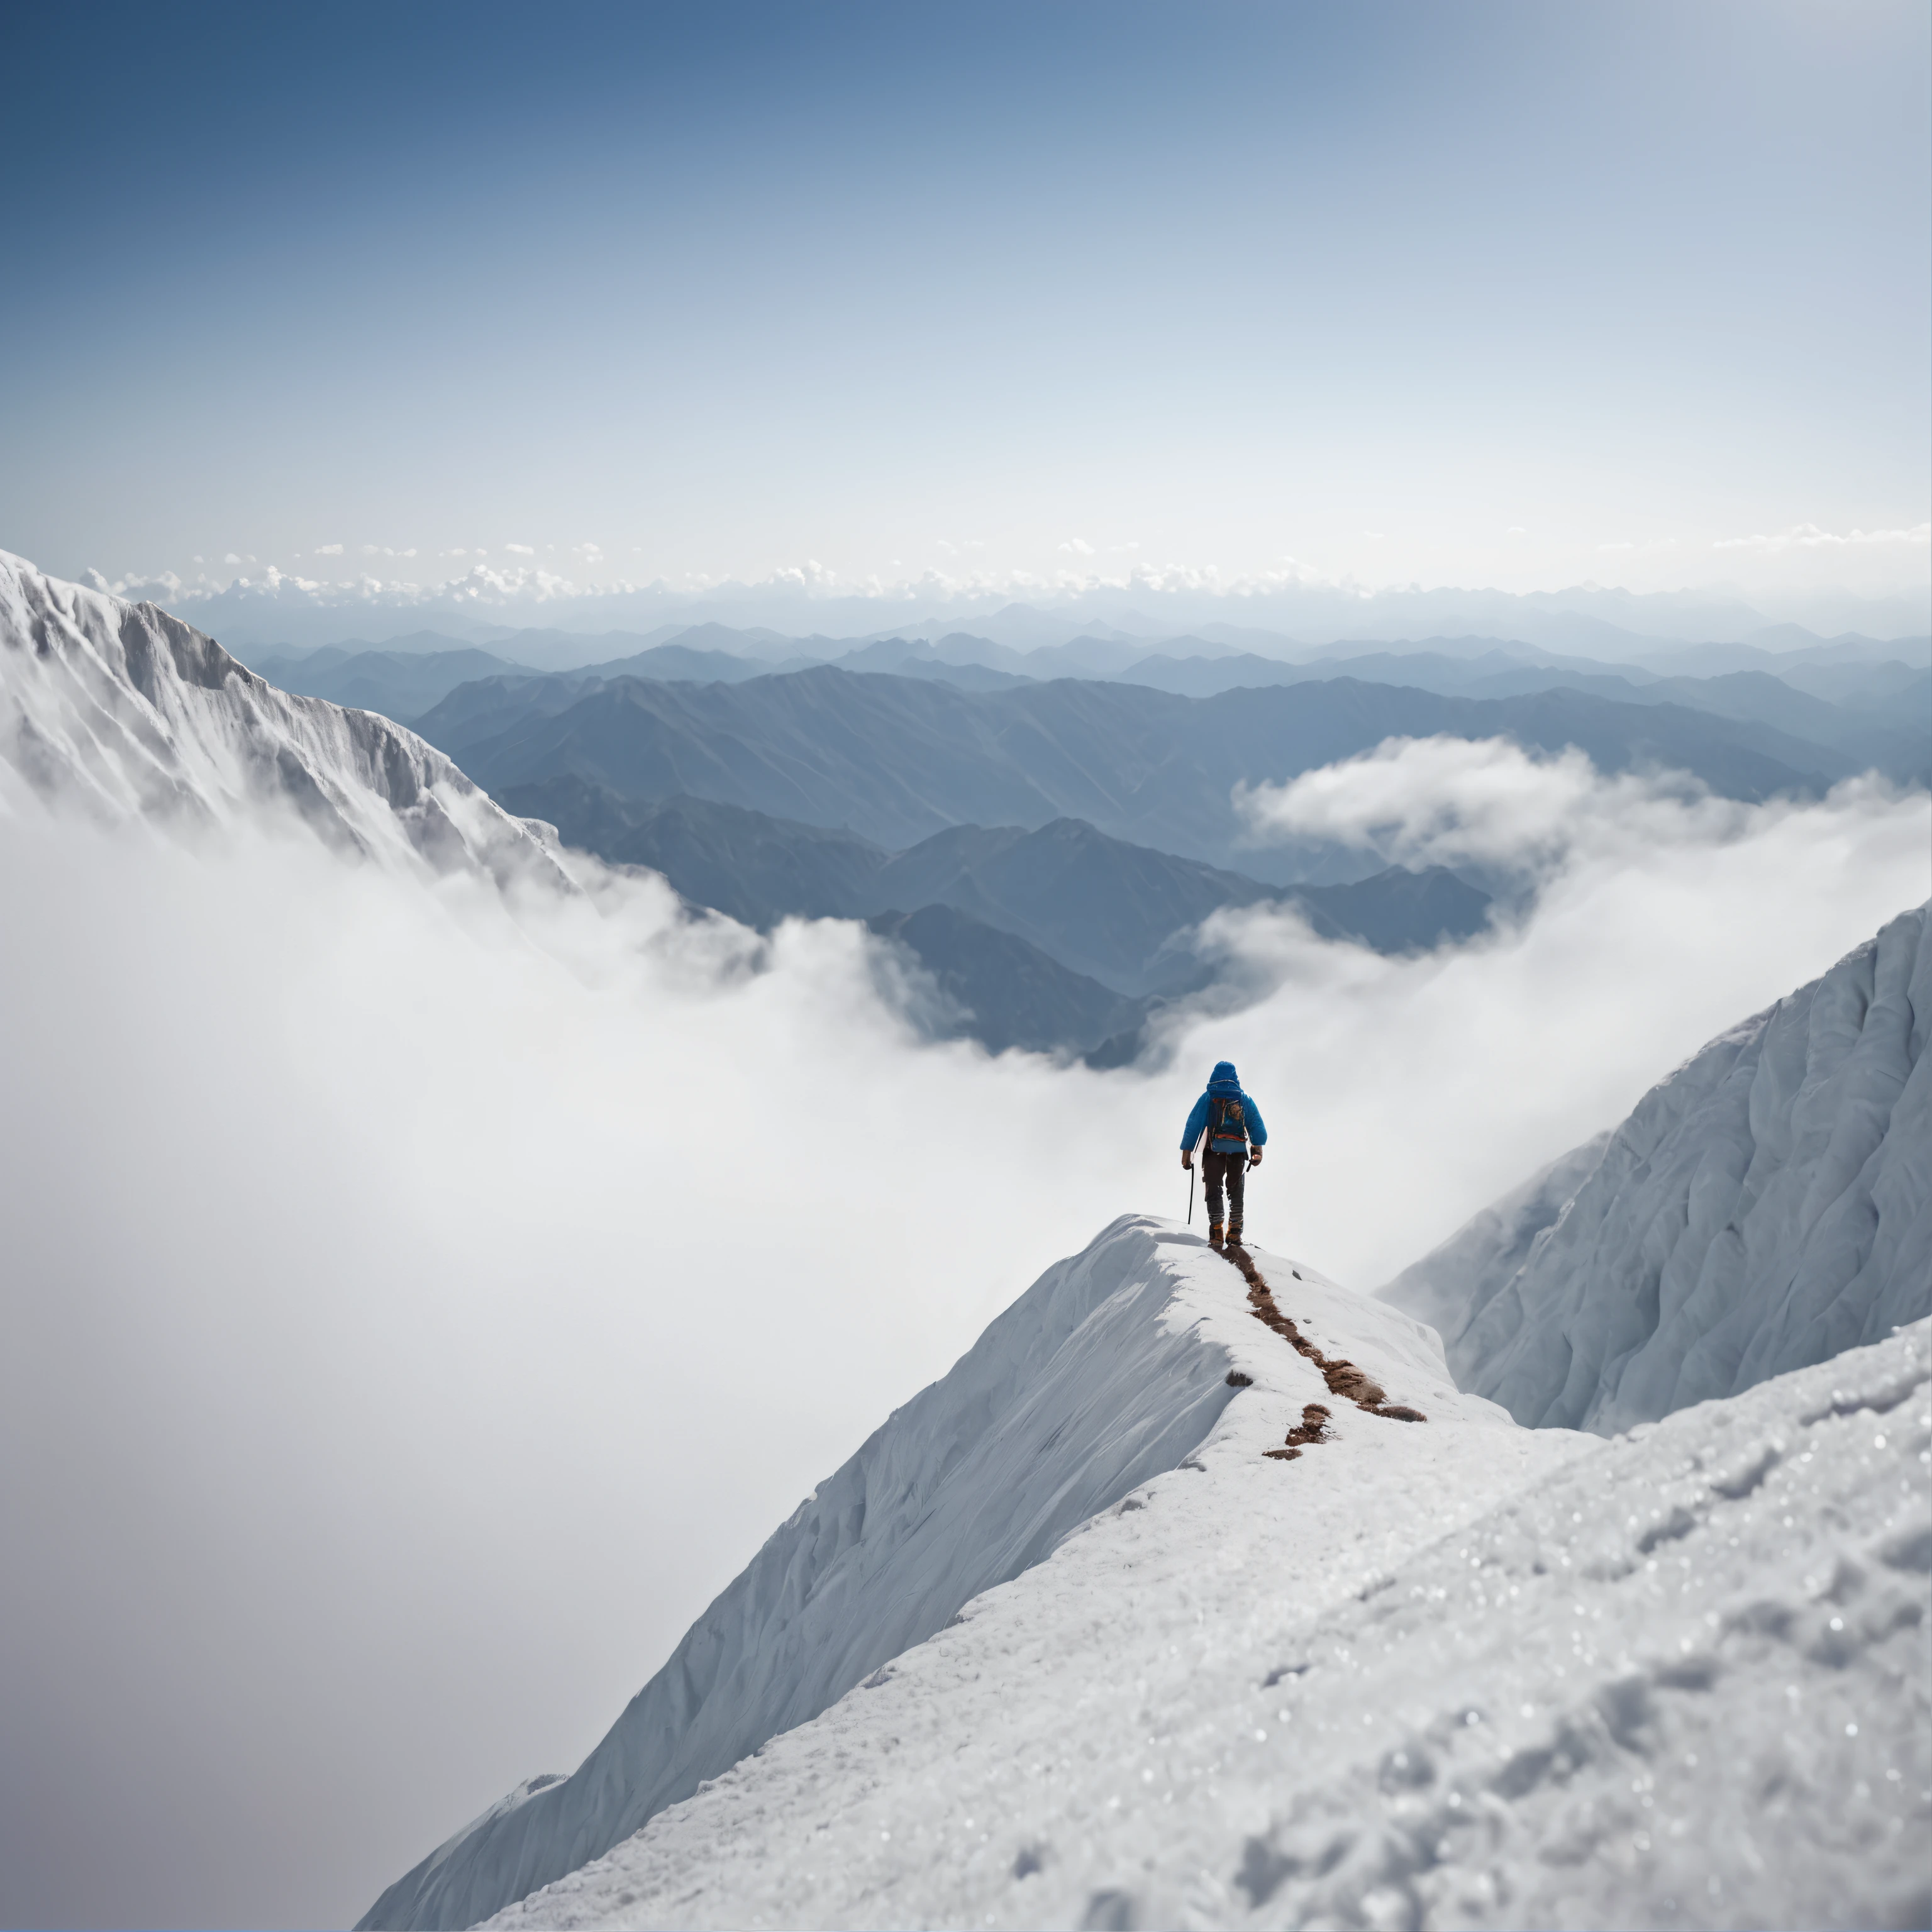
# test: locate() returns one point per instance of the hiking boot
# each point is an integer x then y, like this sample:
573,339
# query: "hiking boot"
1234,1234
1213,1234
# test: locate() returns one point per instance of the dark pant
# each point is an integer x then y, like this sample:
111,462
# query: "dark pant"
1231,1169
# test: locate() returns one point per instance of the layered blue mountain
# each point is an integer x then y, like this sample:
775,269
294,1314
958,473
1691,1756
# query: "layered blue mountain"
399,683
403,680
1057,938
1044,845
1850,695
1002,991
1880,716
897,759
1102,906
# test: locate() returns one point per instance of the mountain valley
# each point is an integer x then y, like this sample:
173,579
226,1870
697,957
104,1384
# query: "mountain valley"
1103,924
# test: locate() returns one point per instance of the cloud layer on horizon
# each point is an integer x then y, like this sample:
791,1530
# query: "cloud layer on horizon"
483,584
274,606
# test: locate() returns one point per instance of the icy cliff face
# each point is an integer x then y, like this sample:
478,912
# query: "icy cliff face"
1109,1371
1767,1206
127,712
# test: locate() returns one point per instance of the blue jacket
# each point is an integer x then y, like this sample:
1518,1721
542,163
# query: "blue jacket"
1221,1084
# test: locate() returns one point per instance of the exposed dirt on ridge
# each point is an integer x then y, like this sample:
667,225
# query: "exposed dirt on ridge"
1341,1375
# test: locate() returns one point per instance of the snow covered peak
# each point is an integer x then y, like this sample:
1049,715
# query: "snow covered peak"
1766,1206
1459,1673
128,712
1110,1371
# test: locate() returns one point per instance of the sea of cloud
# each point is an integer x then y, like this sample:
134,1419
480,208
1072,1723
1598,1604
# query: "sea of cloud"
418,1307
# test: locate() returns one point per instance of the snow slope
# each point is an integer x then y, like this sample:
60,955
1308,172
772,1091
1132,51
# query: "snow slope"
1767,1205
1455,1673
1109,1371
129,713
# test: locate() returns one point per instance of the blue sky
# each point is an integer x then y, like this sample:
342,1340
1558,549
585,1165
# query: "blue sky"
1518,294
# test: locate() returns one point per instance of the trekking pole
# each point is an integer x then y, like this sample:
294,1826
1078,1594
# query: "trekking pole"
1190,1194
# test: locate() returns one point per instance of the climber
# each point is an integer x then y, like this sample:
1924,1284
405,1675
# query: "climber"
1235,1134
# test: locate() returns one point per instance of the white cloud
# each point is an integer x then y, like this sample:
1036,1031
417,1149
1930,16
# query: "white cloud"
519,1287
1423,1088
506,1320
1077,547
1454,801
328,550
163,584
1809,536
965,579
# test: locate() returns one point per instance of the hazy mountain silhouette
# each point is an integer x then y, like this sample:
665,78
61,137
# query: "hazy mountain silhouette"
757,869
1798,702
400,683
898,759
1009,993
1097,911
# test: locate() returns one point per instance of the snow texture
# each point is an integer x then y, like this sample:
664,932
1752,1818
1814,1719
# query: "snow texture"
129,713
1768,1205
1106,1372
1449,1673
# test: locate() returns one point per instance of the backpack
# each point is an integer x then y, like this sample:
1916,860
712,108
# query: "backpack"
1226,1121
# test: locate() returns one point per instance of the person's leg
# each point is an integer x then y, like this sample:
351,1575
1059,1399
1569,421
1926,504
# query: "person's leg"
1237,1190
1213,1168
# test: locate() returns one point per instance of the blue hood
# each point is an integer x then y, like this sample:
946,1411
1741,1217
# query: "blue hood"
1223,1085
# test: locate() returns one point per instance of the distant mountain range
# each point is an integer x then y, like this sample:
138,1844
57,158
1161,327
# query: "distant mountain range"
1042,825
1601,621
898,759
401,684
1059,937
1847,696
1004,992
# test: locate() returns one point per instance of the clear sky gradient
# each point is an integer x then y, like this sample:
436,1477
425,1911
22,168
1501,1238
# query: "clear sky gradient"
1518,294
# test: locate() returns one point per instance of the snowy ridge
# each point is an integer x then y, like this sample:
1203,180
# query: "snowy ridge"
1109,1371
131,713
1766,1206
1457,1675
